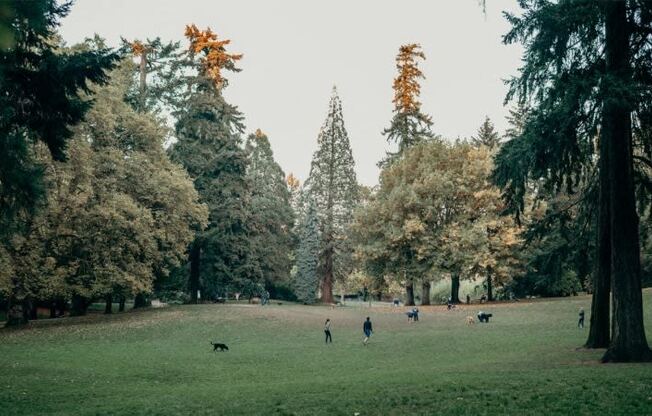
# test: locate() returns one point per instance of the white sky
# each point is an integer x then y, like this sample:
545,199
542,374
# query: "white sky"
296,50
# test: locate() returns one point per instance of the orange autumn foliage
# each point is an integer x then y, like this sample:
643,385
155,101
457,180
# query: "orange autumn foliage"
215,58
292,181
406,84
137,48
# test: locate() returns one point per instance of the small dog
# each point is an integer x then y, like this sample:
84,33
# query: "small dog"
470,320
222,347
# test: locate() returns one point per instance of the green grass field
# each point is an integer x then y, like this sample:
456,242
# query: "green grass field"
160,362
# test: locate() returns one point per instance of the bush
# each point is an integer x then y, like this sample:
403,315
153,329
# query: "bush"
282,291
173,297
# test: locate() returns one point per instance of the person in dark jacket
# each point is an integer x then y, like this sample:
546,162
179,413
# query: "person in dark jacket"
580,323
368,330
327,331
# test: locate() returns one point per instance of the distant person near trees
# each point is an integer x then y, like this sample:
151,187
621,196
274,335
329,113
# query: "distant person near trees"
327,331
580,323
368,330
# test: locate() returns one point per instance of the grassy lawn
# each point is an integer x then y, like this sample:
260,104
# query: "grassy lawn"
160,362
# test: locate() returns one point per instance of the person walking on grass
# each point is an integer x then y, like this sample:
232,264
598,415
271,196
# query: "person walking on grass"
368,330
580,323
327,331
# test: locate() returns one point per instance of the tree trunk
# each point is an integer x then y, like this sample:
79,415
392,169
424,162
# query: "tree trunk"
79,306
16,314
455,288
327,277
409,292
143,80
425,293
121,307
194,282
141,300
490,289
53,309
32,308
628,343
599,324
62,305
108,309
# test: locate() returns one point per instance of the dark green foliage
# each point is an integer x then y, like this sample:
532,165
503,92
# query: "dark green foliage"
270,214
407,129
307,257
40,97
209,147
487,135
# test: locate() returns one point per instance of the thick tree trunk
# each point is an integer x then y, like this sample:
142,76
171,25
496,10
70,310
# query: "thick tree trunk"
409,294
455,288
601,296
16,313
108,308
490,289
53,309
32,307
425,292
194,282
327,277
62,305
141,300
121,307
143,81
628,343
79,306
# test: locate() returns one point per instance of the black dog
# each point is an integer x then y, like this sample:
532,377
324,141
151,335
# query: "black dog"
222,347
484,317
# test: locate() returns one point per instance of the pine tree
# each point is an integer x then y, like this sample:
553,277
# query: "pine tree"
34,108
579,76
487,135
332,185
271,216
409,125
307,256
209,146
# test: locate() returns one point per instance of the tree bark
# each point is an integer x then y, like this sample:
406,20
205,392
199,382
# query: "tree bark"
16,314
108,308
409,292
32,309
141,300
327,276
143,80
53,309
79,306
455,288
194,282
628,343
121,307
599,324
425,292
490,289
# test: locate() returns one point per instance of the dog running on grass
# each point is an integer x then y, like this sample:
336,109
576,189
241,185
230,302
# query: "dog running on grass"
470,320
217,345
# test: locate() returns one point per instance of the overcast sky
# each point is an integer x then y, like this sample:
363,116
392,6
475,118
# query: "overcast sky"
296,50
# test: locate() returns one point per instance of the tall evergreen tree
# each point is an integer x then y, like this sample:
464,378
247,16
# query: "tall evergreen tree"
586,74
209,146
487,135
34,108
409,125
271,216
333,186
306,280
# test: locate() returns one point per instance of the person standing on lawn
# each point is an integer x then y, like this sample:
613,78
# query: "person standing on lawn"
368,330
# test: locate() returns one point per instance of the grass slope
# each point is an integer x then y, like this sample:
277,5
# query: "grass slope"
159,362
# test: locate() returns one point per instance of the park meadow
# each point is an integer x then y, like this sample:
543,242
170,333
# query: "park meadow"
528,360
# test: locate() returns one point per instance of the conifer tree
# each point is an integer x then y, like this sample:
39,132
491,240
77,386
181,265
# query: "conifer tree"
487,135
307,256
34,108
333,186
585,76
271,216
409,125
209,146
